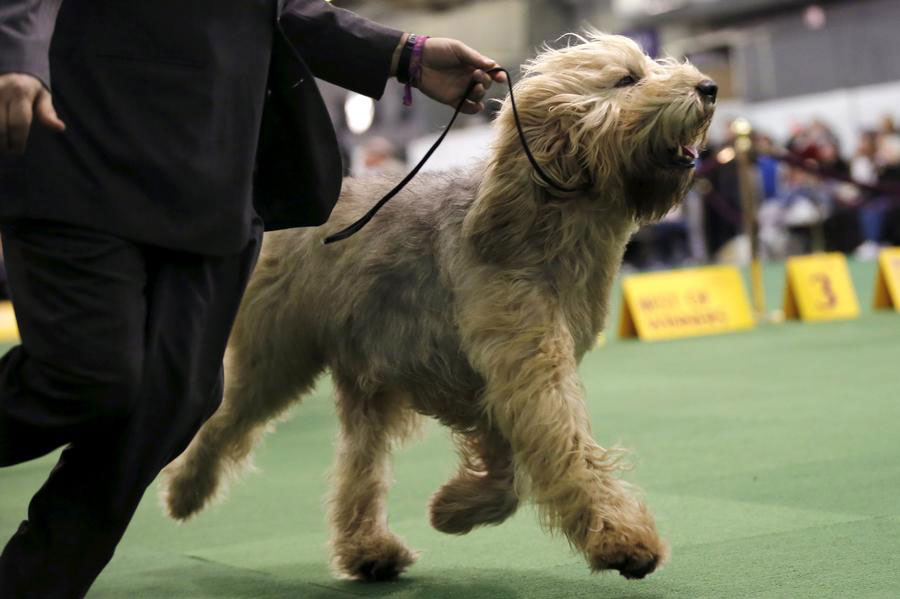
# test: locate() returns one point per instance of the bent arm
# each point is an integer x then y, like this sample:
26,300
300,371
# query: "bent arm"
26,27
341,47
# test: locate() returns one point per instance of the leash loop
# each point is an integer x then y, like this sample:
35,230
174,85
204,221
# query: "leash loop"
359,224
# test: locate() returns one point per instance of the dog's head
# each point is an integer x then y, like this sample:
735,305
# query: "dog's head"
603,112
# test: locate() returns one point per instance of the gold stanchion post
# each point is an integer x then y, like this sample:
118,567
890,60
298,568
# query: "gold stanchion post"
748,190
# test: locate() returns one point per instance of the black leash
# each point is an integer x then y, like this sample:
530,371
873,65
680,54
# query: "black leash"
359,224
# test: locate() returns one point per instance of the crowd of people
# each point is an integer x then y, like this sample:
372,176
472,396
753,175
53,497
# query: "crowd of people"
812,195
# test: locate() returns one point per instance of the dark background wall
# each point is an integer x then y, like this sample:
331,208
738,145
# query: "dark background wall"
859,45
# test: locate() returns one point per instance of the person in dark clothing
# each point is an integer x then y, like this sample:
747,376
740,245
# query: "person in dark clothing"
133,197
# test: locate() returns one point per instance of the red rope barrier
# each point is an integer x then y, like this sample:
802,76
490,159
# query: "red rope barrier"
889,189
884,189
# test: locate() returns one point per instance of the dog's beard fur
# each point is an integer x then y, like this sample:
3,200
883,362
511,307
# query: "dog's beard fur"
652,195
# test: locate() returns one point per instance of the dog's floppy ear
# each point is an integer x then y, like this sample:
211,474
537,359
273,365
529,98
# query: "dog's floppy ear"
563,127
554,149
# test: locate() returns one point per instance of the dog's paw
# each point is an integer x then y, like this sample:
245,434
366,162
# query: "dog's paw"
461,505
632,547
632,562
183,496
618,534
372,558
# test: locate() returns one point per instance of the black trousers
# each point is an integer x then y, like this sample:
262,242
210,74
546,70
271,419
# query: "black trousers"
121,360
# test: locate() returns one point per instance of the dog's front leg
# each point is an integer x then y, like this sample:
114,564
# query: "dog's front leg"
534,397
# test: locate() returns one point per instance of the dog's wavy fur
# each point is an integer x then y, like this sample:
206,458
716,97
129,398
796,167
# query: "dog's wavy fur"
470,298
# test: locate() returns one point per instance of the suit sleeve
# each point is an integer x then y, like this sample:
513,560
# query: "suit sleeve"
26,27
339,46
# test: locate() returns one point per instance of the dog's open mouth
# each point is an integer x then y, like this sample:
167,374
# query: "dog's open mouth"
683,156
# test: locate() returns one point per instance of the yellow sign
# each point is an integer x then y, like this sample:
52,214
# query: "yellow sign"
818,287
9,332
684,303
887,285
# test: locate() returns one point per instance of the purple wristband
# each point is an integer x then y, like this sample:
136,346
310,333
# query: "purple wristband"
415,69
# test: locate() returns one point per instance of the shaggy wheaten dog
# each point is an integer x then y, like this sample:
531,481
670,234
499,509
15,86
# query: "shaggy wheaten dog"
471,298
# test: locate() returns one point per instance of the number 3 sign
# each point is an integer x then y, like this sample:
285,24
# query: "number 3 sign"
818,287
887,286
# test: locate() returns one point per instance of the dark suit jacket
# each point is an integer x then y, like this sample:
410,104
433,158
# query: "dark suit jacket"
183,115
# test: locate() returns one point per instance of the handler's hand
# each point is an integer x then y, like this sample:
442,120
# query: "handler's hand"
21,98
448,66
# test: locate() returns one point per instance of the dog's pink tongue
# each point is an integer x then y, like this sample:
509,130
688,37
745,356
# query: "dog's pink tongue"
690,151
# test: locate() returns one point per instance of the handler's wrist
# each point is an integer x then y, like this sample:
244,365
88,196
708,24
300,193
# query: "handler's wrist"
405,58
413,67
395,58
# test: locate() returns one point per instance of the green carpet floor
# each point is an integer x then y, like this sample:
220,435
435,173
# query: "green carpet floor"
770,458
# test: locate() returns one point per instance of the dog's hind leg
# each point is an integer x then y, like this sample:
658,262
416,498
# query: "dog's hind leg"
482,491
265,373
363,548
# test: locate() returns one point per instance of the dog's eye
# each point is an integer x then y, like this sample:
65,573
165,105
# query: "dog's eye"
626,81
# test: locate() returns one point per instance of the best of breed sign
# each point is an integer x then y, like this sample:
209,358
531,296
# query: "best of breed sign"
819,288
684,303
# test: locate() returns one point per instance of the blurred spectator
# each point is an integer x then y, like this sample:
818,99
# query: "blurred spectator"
830,160
721,197
888,160
887,154
842,230
790,223
863,166
811,138
769,170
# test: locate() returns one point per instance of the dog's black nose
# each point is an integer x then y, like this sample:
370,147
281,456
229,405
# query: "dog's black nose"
708,88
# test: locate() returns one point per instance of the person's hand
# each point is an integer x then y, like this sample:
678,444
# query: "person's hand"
449,66
23,97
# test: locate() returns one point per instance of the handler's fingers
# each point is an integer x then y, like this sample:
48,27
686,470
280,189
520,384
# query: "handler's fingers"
477,93
499,77
18,123
483,78
470,107
46,113
469,56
